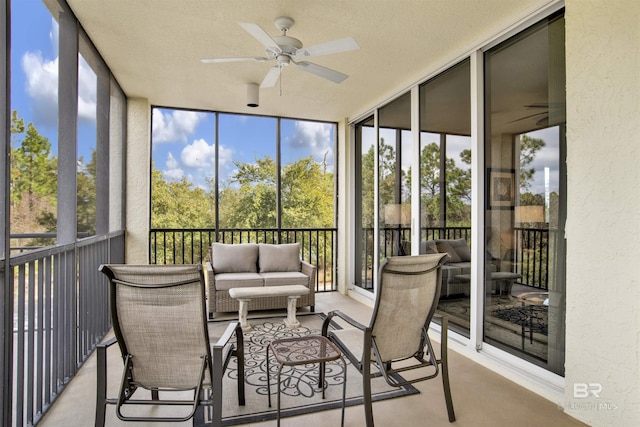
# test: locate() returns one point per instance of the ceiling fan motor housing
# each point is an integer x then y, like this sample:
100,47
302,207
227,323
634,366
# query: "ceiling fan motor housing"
288,47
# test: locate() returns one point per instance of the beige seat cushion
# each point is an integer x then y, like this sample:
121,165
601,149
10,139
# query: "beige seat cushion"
285,278
226,281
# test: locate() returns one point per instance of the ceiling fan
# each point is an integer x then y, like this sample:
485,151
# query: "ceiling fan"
542,117
287,50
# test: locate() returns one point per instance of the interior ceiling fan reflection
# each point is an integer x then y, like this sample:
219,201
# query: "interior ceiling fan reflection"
542,117
286,50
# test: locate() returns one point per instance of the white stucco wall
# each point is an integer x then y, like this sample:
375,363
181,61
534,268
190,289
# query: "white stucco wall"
603,227
138,180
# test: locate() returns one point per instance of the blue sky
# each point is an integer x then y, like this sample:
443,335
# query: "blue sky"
183,141
34,76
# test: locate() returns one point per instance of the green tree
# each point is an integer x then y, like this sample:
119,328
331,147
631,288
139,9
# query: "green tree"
528,149
457,188
33,181
179,204
86,200
249,200
307,195
33,170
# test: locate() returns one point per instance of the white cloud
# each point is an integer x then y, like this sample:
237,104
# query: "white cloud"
225,156
42,86
199,154
316,137
173,171
176,126
87,92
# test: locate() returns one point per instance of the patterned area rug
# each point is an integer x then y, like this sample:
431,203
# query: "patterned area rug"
299,391
531,317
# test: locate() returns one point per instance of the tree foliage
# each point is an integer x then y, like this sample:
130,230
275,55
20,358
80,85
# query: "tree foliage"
34,184
33,170
528,149
179,204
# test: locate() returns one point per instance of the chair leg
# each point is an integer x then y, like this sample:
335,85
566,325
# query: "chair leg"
444,365
216,388
240,360
101,394
366,394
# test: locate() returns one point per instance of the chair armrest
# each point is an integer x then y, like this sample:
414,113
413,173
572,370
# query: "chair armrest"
309,270
107,343
226,336
210,272
341,315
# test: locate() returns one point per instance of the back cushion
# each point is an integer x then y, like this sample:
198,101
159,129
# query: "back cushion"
284,257
457,249
428,247
240,258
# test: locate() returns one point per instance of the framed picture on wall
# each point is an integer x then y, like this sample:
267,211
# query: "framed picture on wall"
502,191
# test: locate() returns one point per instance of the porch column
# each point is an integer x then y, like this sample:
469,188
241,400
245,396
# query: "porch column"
138,185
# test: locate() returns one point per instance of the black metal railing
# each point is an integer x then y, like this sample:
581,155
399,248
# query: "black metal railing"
60,312
191,246
530,256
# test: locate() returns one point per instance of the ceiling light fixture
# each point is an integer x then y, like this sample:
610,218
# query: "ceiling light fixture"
253,93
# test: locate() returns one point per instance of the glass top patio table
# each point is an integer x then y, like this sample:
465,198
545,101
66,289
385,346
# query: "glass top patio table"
302,351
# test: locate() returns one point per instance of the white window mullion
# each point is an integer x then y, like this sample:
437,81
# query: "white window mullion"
415,166
477,201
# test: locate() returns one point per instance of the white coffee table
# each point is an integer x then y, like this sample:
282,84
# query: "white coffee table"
245,295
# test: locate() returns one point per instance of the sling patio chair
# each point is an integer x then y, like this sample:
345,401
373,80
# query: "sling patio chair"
408,293
159,320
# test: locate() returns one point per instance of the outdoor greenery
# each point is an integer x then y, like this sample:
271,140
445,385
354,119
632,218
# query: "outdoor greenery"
34,185
247,201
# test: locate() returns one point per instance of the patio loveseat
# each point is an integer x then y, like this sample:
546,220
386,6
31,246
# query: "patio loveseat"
247,265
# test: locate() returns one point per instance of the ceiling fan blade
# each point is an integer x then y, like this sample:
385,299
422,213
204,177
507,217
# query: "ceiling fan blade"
319,70
336,46
259,34
238,59
529,116
272,77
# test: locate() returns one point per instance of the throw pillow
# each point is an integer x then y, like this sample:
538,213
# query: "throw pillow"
457,249
285,257
240,258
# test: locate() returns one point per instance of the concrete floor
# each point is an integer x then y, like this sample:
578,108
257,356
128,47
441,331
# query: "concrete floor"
481,397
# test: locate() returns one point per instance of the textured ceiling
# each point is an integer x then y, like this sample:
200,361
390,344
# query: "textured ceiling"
154,47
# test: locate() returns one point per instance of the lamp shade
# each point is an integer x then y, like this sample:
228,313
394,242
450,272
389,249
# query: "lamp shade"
397,214
529,214
253,94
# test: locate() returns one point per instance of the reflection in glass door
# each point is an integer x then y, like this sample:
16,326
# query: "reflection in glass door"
525,211
394,178
445,185
365,207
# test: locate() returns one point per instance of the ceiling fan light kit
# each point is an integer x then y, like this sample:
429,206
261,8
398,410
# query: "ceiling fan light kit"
286,50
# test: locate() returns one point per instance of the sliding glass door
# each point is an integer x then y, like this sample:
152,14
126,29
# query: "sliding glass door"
525,205
513,296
